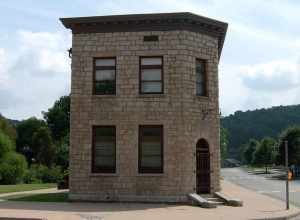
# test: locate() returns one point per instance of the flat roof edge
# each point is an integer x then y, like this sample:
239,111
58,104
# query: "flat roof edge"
68,21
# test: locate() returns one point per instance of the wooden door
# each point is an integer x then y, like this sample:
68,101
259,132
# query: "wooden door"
203,167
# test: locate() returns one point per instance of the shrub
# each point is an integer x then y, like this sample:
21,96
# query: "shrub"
30,176
53,175
64,183
41,173
12,168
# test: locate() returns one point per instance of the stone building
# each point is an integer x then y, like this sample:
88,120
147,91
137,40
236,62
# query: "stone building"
144,106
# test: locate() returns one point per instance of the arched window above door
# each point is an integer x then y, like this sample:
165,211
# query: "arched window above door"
202,144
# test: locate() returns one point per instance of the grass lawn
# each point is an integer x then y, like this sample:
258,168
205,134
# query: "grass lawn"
24,187
46,197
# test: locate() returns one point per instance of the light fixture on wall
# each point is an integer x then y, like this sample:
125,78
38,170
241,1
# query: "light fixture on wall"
206,111
70,52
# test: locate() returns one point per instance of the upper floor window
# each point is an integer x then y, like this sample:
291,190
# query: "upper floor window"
104,76
104,149
151,75
201,77
151,149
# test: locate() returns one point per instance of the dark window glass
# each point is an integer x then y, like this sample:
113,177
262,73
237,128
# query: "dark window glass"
104,76
151,149
201,80
151,75
104,149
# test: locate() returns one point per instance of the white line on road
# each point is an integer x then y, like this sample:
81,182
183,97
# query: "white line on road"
274,191
241,177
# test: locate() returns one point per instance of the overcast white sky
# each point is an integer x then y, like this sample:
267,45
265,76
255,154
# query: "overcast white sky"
260,64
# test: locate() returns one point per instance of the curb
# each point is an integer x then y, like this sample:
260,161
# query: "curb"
15,218
289,216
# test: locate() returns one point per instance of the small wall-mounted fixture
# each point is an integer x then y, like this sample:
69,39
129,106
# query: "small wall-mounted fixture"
150,38
206,112
70,52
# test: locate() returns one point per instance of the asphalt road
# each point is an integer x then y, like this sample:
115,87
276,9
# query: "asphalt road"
261,184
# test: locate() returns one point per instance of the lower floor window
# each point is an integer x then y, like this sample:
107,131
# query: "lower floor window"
151,149
104,149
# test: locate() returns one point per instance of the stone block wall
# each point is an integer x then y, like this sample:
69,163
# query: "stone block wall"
185,117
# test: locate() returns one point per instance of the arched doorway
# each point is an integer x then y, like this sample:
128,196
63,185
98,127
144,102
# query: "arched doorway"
202,167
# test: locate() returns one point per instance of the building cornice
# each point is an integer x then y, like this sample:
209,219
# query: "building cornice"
148,22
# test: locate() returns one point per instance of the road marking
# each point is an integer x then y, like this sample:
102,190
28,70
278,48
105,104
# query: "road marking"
240,177
271,191
274,191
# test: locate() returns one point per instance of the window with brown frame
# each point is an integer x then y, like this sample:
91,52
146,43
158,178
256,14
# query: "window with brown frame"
201,77
104,76
104,149
151,75
150,149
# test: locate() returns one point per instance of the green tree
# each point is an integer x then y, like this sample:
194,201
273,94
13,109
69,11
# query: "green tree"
43,146
292,135
249,150
7,128
58,121
265,153
223,143
58,118
6,144
12,168
25,132
62,153
257,124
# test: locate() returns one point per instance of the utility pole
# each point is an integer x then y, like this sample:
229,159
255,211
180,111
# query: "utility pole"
287,174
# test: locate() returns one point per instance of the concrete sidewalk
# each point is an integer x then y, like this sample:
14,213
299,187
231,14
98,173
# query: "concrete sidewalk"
256,206
31,192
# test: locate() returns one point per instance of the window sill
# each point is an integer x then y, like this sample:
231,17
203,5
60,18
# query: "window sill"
152,95
104,96
104,174
150,174
202,97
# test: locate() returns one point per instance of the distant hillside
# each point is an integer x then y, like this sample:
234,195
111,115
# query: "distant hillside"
257,124
11,121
